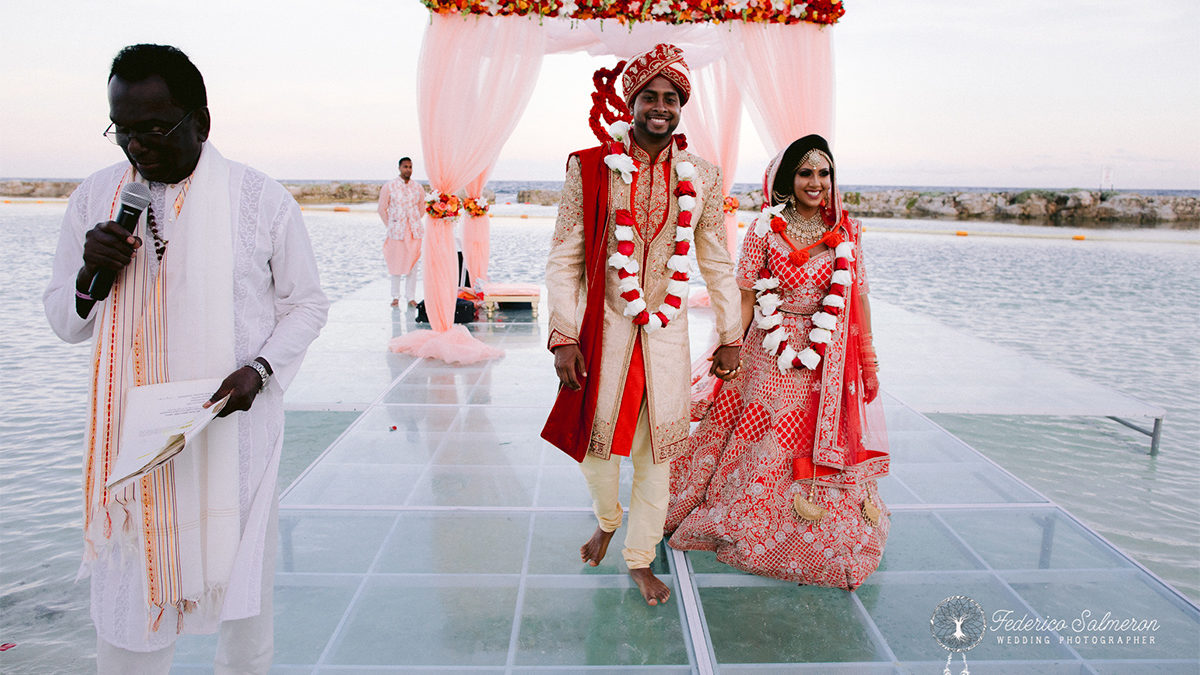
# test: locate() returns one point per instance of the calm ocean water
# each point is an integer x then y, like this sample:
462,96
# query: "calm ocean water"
1125,313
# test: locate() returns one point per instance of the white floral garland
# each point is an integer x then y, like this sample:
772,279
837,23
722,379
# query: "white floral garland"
767,303
627,267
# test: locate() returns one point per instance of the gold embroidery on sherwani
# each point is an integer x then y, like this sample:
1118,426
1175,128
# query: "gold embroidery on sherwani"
666,352
652,206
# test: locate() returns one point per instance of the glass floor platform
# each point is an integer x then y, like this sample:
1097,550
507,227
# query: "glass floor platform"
438,533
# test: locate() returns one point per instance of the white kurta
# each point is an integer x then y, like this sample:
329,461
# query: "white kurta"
401,208
279,309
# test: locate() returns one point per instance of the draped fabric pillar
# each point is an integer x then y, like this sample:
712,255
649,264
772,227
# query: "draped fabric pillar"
713,119
475,235
786,75
475,77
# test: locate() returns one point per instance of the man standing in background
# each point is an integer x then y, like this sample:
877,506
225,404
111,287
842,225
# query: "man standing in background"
215,279
401,202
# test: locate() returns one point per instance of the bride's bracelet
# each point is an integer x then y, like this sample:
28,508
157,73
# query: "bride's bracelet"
867,355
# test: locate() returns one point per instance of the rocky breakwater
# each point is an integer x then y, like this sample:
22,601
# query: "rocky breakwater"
330,193
38,189
1036,206
1054,207
539,197
352,193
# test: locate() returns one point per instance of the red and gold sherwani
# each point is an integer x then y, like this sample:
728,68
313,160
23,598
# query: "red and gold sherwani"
665,361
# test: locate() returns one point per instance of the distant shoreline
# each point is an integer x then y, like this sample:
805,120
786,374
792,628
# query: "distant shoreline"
1036,206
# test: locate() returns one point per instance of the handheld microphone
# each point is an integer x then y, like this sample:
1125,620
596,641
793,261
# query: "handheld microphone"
135,197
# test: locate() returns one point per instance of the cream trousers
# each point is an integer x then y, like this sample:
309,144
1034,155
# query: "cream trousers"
244,647
648,506
409,281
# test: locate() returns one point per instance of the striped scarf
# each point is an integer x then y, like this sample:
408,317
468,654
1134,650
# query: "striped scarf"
182,519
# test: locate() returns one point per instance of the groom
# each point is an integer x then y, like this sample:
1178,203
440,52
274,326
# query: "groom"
617,286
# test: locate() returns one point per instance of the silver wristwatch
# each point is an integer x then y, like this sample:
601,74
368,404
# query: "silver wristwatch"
262,372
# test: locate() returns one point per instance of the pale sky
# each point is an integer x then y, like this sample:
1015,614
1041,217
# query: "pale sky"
1019,93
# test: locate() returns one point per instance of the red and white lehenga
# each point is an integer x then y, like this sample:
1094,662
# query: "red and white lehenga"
733,491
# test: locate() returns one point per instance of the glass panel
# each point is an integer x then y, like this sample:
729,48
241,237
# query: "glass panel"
427,621
557,538
475,486
1030,539
495,418
336,542
598,626
307,611
331,484
893,491
781,623
347,379
965,483
425,419
306,434
380,444
456,543
443,393
902,606
920,542
927,445
491,448
1115,616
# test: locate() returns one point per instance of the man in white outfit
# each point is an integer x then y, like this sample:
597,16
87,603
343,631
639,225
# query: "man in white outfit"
216,280
401,208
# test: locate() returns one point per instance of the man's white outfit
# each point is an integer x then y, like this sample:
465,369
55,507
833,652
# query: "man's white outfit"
238,280
401,205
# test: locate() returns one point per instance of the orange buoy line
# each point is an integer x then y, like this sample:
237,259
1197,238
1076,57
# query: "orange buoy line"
1030,235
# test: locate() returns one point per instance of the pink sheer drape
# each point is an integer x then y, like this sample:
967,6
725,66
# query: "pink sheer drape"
786,76
476,237
475,77
713,120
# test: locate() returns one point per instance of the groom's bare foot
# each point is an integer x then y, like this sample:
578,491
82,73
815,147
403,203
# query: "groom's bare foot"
654,591
593,551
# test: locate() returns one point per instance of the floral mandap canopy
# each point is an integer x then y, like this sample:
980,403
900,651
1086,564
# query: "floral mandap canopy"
773,55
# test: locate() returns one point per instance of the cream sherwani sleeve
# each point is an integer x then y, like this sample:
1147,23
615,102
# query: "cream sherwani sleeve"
712,256
566,282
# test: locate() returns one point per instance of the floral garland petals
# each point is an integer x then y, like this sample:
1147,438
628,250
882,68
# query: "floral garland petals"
623,164
627,268
767,302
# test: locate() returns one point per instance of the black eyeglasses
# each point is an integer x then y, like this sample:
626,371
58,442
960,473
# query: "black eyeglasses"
119,136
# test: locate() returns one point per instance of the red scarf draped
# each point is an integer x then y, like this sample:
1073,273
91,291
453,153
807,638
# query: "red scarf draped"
569,426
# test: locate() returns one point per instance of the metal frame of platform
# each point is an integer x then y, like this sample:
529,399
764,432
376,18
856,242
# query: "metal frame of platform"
936,368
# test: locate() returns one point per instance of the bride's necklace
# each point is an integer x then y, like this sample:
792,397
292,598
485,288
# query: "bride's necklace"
804,230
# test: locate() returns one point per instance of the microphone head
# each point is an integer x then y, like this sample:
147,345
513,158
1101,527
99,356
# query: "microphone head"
136,196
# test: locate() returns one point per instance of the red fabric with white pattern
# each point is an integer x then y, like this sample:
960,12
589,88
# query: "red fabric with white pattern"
732,493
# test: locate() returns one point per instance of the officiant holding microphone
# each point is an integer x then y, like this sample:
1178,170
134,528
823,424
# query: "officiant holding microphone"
183,265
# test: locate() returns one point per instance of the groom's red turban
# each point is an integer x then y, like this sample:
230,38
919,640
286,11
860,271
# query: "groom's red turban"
664,59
